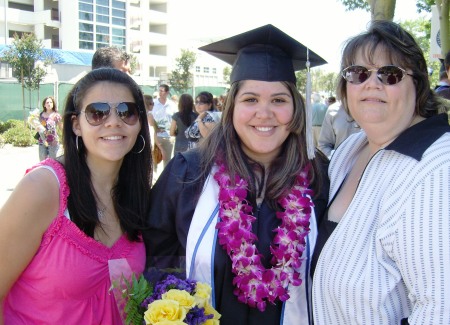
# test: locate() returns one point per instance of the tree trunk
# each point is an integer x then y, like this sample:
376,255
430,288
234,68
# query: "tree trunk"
382,9
23,98
443,7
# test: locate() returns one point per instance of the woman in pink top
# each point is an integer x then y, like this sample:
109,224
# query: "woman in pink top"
73,226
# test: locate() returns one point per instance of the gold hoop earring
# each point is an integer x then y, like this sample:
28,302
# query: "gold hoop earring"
143,145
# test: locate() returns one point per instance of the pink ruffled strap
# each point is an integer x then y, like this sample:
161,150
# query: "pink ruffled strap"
60,172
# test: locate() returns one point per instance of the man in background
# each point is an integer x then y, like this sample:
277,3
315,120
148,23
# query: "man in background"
318,113
161,119
111,57
336,127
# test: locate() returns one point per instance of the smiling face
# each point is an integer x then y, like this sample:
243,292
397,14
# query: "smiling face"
113,139
383,111
261,112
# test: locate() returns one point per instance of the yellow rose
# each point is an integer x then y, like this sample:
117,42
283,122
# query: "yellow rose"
209,310
202,294
170,322
203,290
182,297
164,310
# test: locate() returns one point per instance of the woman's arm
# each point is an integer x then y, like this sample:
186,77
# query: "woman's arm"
23,220
423,244
173,128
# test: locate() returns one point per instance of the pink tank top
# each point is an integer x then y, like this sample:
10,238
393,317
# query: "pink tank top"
69,279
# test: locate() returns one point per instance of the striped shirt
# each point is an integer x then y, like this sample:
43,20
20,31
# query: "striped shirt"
389,256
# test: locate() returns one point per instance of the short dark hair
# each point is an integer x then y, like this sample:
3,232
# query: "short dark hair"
166,87
106,56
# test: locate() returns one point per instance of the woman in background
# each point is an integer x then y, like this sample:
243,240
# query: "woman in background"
207,117
181,120
51,120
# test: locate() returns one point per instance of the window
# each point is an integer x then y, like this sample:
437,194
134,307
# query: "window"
197,69
86,27
205,69
86,45
85,16
118,21
118,4
214,71
102,19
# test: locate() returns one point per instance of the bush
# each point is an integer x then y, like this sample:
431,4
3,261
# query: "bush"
5,126
2,141
19,135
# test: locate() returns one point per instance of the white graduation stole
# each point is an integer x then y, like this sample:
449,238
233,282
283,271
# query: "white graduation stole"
201,245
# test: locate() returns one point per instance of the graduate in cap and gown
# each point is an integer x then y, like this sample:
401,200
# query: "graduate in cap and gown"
240,212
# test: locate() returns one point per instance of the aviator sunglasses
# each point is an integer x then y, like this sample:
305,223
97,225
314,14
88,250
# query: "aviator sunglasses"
388,75
97,113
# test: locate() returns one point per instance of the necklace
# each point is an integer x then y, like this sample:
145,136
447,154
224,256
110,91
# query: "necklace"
101,212
254,284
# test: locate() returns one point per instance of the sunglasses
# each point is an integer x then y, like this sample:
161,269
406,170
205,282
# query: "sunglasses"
97,113
388,75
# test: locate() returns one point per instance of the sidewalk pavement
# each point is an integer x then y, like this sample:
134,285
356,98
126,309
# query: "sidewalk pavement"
14,161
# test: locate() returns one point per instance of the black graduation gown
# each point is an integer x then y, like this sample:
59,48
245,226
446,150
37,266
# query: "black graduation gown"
173,201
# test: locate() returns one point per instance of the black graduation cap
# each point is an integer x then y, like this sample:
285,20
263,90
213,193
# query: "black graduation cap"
265,53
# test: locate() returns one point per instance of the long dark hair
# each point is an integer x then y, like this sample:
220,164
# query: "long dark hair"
402,50
131,192
54,109
186,108
223,143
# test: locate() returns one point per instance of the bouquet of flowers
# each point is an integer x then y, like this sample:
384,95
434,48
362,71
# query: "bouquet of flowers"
172,301
35,123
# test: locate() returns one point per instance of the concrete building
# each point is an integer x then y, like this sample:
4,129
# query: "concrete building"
138,26
75,29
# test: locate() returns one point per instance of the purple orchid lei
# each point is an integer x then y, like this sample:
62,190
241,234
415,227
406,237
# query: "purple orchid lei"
254,284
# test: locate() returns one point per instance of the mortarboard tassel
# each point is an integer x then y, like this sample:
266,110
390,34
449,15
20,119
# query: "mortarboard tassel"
309,131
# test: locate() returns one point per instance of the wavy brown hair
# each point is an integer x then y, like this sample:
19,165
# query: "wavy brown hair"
403,51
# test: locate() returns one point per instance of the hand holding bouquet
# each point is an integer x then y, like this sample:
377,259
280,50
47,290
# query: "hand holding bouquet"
35,123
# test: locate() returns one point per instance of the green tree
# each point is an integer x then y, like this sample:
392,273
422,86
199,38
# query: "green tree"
421,30
24,55
181,78
227,74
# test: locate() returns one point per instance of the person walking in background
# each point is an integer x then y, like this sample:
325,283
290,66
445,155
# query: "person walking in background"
81,215
51,121
336,127
161,119
207,117
387,256
148,102
318,113
181,120
111,57
240,212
